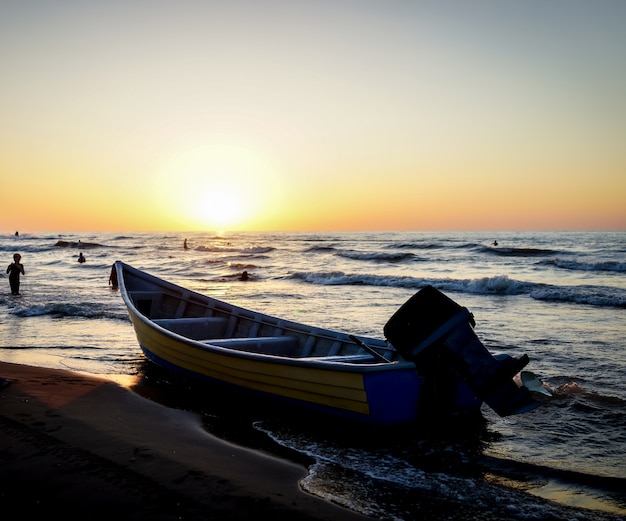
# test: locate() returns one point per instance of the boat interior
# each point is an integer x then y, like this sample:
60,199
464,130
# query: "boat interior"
220,324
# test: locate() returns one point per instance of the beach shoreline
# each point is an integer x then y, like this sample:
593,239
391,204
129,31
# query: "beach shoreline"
74,445
71,444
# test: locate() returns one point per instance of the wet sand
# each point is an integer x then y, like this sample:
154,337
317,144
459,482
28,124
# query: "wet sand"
83,447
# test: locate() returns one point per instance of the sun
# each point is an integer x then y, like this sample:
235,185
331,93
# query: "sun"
221,207
217,187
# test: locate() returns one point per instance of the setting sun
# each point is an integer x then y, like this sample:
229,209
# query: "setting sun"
221,207
216,187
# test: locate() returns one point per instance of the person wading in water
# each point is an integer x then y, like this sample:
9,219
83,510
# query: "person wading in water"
14,270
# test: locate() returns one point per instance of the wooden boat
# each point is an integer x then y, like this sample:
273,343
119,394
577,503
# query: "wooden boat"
358,378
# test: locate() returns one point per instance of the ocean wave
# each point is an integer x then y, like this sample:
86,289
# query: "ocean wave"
24,248
500,285
77,244
613,266
391,479
416,246
58,309
20,237
376,256
590,295
518,252
258,250
241,266
486,285
319,248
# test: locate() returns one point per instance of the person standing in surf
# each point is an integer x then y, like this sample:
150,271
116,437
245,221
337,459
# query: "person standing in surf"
14,270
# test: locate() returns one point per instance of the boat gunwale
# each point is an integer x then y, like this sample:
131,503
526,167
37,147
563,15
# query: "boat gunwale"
321,362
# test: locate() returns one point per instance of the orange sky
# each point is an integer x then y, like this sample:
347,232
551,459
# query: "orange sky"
313,116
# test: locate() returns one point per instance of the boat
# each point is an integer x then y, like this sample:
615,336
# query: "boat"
430,360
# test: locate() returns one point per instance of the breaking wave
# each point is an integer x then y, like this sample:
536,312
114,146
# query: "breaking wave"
518,252
58,309
501,285
376,256
613,266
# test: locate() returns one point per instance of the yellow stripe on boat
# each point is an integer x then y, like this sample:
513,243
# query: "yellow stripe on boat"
343,390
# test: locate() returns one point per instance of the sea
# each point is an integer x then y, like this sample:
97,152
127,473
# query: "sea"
559,297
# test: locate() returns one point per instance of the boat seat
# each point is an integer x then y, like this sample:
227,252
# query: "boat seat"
270,345
144,294
350,359
195,328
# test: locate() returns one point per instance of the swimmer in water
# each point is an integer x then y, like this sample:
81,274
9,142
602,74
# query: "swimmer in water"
14,270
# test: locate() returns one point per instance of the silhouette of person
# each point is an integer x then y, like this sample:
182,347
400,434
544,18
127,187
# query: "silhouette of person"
81,257
185,245
14,270
113,277
244,276
494,243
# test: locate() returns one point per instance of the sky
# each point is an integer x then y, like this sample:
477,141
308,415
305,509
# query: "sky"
200,115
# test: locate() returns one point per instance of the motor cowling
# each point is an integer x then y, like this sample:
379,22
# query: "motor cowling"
437,334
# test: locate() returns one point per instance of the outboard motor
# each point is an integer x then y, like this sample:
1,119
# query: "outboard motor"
437,334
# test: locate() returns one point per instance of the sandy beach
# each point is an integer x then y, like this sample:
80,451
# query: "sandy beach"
74,446
78,446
